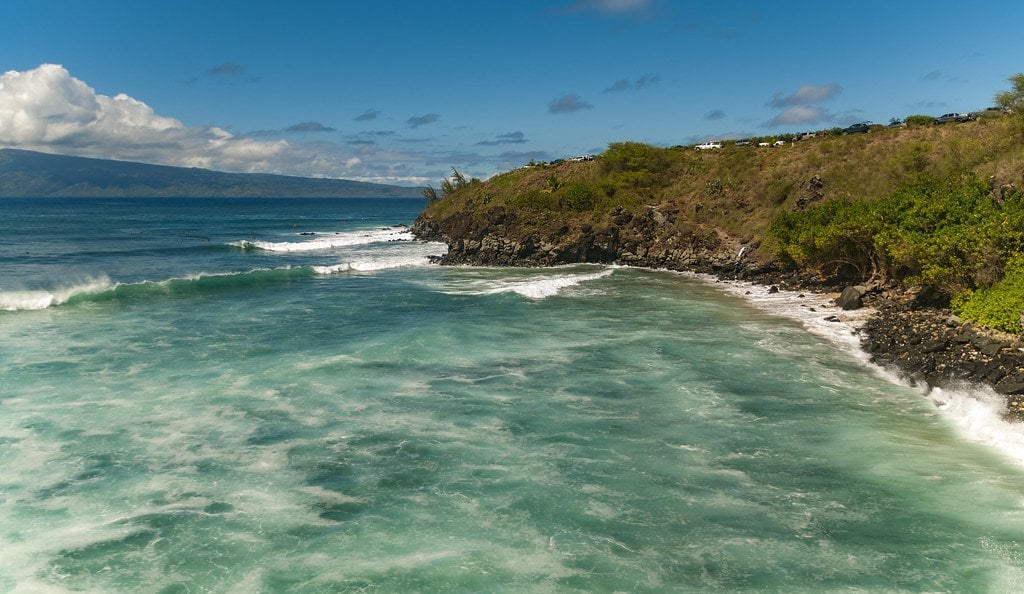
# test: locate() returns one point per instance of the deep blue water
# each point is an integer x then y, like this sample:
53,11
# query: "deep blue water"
286,396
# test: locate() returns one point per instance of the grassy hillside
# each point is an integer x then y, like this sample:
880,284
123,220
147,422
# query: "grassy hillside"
796,204
741,188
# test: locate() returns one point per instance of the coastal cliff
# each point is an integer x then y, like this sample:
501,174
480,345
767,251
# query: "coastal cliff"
710,212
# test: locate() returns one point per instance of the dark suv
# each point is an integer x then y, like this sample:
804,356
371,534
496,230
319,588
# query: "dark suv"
857,128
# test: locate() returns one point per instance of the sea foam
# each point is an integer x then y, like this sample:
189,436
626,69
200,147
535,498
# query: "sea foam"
974,410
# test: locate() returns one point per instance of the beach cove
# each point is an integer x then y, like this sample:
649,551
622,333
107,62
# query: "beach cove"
288,395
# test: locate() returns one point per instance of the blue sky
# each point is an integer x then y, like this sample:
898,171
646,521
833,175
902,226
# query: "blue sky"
401,91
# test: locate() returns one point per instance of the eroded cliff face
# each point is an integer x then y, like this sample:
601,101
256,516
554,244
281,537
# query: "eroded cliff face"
655,239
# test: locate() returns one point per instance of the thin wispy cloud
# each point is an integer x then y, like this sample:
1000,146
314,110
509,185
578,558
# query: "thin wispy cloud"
643,82
715,114
806,95
228,73
510,138
368,116
423,120
568,104
225,69
608,7
309,127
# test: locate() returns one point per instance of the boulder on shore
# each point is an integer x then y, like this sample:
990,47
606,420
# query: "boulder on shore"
852,297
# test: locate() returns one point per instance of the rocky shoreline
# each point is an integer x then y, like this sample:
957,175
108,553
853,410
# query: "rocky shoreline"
920,340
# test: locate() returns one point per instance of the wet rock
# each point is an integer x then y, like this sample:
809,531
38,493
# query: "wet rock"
851,298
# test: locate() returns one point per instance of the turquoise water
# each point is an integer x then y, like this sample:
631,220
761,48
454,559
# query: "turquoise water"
286,396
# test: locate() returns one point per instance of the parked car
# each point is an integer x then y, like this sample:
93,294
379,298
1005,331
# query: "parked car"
709,145
990,112
857,128
742,143
954,117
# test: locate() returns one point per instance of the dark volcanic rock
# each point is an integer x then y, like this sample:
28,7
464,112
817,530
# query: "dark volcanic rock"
929,346
852,298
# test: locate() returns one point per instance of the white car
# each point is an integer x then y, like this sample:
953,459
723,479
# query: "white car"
709,145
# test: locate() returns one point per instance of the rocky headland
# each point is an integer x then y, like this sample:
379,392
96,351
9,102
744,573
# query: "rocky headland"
908,332
904,220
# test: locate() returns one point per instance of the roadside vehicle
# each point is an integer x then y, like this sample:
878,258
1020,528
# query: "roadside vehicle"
857,128
709,145
954,117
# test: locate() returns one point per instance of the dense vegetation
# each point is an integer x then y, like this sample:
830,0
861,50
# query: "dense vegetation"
934,205
950,234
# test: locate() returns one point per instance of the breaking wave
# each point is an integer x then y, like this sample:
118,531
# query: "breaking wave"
105,290
325,242
31,300
534,287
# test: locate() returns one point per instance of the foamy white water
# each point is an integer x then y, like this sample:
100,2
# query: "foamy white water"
225,420
325,241
538,284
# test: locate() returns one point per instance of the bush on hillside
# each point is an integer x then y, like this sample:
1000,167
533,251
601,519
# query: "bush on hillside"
919,120
998,306
945,233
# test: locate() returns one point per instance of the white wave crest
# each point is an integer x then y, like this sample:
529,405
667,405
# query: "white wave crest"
536,287
32,300
977,412
376,258
373,265
344,239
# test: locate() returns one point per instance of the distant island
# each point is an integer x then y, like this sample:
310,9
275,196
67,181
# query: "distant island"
29,174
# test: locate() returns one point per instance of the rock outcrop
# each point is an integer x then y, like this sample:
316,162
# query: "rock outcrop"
936,348
645,240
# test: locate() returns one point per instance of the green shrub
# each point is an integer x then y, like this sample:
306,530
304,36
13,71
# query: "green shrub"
919,120
579,196
940,232
536,200
998,306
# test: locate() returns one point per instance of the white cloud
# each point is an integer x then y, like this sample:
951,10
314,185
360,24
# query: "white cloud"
806,95
800,114
47,109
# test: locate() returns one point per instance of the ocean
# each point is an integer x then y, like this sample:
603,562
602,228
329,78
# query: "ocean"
282,395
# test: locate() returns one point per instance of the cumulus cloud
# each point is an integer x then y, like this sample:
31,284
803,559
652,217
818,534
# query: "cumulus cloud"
510,138
423,120
47,109
309,127
806,95
568,104
368,115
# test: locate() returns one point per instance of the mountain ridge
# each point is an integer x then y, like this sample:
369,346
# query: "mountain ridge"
32,174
